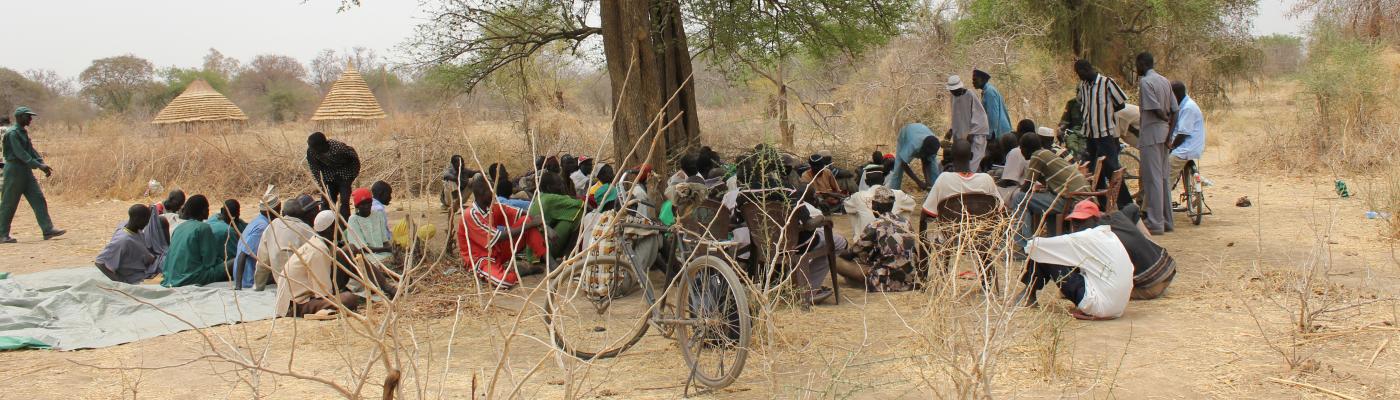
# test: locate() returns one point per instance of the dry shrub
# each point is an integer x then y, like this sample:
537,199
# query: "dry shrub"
1345,121
1386,198
904,82
115,158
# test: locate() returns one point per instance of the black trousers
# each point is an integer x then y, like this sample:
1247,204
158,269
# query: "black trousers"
1070,280
1108,148
339,193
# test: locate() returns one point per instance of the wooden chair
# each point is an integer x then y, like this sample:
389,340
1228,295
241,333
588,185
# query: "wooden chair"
1068,199
708,220
772,236
773,241
1109,193
970,221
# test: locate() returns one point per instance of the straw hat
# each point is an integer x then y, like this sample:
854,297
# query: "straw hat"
349,99
199,103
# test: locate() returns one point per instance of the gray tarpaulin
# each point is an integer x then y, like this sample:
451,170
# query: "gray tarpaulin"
79,308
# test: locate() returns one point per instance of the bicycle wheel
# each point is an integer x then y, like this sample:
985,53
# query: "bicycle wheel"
1196,202
714,323
586,318
1128,159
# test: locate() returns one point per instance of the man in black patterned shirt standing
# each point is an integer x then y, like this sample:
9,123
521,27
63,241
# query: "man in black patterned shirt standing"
334,165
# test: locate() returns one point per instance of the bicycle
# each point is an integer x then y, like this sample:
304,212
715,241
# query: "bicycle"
1193,198
1128,159
590,317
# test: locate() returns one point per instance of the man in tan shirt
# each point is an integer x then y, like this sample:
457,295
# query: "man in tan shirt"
306,285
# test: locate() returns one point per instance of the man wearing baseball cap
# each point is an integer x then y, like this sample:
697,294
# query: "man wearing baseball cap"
366,227
1091,266
1153,267
20,162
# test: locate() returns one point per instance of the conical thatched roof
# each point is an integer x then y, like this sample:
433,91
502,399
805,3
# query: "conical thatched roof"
199,103
349,99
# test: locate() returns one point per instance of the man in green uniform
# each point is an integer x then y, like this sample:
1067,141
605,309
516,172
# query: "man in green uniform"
20,161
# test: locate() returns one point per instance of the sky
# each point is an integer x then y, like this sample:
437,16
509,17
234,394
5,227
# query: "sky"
1273,18
66,35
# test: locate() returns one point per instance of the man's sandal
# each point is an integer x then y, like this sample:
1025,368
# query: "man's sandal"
323,315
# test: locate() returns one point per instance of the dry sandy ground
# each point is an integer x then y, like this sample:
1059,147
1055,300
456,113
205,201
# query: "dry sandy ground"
1209,337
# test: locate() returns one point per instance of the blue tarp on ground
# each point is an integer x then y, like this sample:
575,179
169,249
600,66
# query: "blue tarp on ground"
79,308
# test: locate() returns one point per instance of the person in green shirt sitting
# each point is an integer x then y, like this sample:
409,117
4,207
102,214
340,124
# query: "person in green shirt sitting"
228,227
195,256
559,212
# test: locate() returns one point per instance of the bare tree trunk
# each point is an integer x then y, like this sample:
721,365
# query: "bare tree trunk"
648,62
526,107
676,80
1076,17
632,69
784,126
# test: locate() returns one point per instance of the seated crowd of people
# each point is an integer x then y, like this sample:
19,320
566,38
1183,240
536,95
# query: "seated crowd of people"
326,254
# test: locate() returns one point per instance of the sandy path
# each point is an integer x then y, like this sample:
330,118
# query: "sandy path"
1199,340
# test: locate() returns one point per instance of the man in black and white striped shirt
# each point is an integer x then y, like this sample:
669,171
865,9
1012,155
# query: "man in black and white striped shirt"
1099,97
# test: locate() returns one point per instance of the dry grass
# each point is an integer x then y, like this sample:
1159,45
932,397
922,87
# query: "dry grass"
116,159
1386,199
1353,128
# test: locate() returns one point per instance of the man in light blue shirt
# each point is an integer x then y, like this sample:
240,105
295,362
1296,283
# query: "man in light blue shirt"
916,142
1190,140
998,120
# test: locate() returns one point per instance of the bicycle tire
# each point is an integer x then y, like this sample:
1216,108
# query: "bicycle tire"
1131,165
1195,205
563,289
695,339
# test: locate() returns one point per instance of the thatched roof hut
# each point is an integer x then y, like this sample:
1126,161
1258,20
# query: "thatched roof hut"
199,103
349,99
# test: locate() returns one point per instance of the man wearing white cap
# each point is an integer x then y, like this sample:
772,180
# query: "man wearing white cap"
1047,140
306,287
969,120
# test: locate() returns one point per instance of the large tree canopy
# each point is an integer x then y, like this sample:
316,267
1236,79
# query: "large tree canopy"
1110,32
17,90
274,86
760,37
114,83
646,48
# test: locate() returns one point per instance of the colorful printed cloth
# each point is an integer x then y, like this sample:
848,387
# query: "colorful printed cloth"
487,249
887,246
